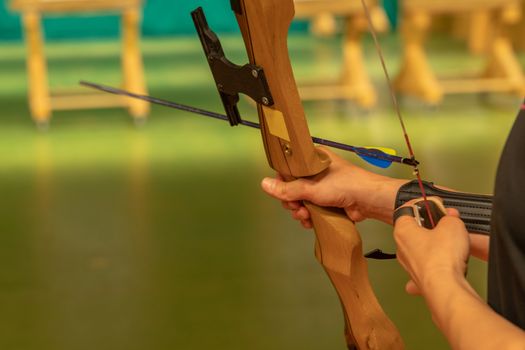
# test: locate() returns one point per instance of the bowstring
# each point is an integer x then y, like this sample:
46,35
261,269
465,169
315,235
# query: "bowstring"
417,173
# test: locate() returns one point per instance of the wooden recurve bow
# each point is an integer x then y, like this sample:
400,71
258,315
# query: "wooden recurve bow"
269,80
264,25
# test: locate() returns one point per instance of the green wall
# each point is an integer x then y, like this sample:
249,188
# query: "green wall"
161,17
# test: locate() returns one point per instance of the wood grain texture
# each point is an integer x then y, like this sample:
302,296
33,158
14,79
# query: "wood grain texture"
339,250
264,24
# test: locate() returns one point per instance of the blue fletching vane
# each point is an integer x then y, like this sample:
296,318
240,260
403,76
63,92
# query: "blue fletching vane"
377,156
377,162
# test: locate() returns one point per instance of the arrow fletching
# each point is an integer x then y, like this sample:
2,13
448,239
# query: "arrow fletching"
380,157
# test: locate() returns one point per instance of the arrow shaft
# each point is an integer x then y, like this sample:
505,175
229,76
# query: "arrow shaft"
362,151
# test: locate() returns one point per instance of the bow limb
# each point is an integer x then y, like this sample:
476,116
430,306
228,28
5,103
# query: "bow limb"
290,151
339,250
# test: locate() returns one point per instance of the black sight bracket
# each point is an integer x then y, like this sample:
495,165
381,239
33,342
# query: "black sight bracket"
230,78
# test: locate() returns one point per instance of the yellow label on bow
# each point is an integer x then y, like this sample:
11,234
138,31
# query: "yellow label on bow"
276,123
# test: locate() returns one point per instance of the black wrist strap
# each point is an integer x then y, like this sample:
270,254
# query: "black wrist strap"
475,209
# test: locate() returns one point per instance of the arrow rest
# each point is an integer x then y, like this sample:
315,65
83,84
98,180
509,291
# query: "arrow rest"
236,6
231,79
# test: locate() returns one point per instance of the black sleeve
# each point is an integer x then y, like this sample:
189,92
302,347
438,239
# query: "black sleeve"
506,280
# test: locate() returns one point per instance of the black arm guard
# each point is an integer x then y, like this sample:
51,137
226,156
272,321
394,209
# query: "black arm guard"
475,209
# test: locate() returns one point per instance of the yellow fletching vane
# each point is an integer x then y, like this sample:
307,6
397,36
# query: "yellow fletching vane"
386,150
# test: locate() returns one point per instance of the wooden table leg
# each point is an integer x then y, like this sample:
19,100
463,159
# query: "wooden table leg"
416,76
133,70
39,98
502,61
479,31
503,64
324,25
519,32
354,74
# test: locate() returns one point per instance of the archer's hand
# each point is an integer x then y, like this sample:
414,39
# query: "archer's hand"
360,193
430,256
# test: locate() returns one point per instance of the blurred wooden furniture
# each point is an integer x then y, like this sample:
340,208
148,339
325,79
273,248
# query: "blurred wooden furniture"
354,82
41,100
323,24
518,32
477,30
502,73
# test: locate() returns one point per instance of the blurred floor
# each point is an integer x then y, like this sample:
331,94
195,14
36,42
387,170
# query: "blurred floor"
158,237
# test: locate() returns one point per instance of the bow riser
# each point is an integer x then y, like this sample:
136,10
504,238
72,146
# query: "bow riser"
290,151
264,25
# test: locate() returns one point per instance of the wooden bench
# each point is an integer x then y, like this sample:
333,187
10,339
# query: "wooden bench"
353,82
41,100
502,73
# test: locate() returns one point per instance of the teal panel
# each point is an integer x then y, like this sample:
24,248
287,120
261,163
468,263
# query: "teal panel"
391,7
165,17
161,18
9,24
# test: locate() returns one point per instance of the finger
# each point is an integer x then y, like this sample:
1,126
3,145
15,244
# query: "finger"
307,224
450,222
412,288
285,191
453,212
293,205
404,228
405,223
403,211
301,214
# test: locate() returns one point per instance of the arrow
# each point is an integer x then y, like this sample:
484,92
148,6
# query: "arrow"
377,156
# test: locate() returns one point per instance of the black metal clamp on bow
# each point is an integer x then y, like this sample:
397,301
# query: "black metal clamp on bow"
230,78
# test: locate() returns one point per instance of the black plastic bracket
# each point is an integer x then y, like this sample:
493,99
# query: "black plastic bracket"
236,6
230,78
378,254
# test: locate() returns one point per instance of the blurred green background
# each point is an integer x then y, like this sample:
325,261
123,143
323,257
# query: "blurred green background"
161,18
158,237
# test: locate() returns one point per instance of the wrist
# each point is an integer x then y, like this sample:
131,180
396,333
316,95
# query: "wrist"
443,284
378,197
446,294
433,280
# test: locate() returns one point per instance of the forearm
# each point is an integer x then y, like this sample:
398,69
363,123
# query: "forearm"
379,197
466,320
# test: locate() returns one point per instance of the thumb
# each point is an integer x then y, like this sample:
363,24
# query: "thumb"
453,212
284,191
